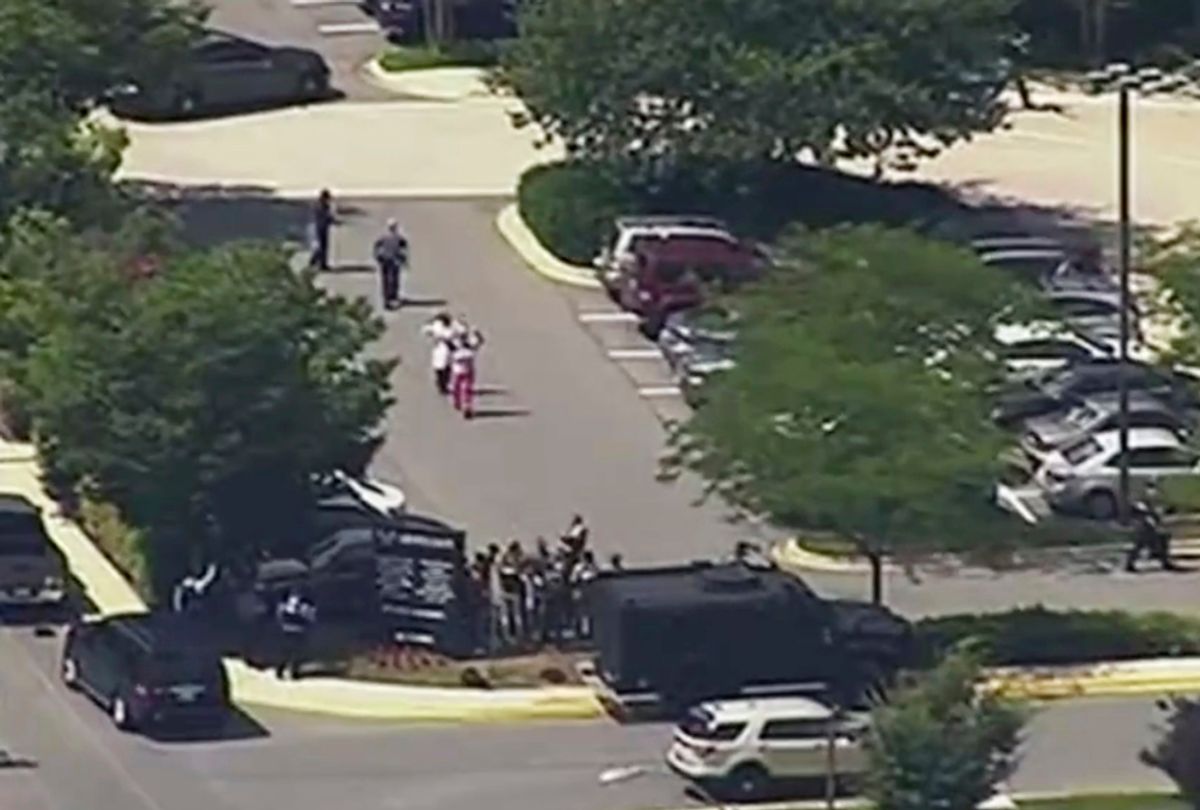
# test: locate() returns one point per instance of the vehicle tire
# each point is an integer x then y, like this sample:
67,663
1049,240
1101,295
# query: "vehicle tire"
748,782
121,716
70,673
312,86
1100,505
651,327
187,104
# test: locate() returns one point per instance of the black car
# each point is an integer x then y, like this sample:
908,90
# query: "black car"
1064,387
147,669
404,20
223,72
32,569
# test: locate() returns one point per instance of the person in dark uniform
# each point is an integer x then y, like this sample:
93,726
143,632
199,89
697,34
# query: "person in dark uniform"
1150,533
391,254
296,616
322,224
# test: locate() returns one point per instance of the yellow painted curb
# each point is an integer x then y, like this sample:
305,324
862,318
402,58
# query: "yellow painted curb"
518,235
791,556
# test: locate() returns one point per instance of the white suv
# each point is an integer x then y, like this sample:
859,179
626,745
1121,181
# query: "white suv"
743,746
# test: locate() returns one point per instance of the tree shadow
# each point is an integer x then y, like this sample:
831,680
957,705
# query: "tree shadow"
215,214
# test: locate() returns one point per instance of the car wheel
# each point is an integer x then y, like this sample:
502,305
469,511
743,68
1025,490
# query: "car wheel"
121,716
1100,505
187,103
70,673
748,782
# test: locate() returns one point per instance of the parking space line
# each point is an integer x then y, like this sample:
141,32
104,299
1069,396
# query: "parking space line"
652,391
635,354
614,316
344,29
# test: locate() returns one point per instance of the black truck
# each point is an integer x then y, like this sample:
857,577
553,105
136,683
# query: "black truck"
671,637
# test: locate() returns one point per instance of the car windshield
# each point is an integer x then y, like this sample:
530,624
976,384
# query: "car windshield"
701,725
1081,451
1083,415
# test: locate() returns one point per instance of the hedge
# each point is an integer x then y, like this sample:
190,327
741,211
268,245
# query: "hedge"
1040,636
464,53
570,206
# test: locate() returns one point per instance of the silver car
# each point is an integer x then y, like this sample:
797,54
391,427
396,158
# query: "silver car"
1099,412
1096,313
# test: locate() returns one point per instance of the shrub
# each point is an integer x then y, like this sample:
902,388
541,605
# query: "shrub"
1040,636
467,53
121,544
571,206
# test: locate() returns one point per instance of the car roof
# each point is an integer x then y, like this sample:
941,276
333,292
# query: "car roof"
1013,333
162,631
1107,296
1110,400
672,220
989,256
1140,438
744,709
684,586
15,504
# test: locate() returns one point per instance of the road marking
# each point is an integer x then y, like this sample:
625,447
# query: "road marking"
635,354
345,29
652,391
614,316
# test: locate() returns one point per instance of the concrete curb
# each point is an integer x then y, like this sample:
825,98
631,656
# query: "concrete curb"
105,587
518,235
446,84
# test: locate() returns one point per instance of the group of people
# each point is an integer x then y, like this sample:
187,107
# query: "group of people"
455,347
523,599
390,249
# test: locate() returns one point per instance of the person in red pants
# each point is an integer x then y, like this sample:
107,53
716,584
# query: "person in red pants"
462,370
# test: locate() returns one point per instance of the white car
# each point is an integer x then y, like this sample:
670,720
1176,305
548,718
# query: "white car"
340,489
1033,349
742,747
1084,476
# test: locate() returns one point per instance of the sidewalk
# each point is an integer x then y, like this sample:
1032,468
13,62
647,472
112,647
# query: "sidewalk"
109,592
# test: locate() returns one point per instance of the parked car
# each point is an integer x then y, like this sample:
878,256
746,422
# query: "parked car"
1058,389
339,489
742,747
224,72
672,274
1050,267
698,343
998,242
628,232
147,669
1084,476
404,20
1098,413
1096,313
1032,350
32,569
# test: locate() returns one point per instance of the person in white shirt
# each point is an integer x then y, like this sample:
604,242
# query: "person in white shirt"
441,331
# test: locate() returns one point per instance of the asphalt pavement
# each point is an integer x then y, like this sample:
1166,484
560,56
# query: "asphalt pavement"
78,761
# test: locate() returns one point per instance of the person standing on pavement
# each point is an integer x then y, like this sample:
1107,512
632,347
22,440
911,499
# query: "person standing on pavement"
575,537
322,223
391,254
296,616
463,353
1150,533
440,330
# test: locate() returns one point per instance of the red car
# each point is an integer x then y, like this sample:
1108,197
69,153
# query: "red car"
667,275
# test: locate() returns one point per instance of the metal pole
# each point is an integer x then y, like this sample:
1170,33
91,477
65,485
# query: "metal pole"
1123,349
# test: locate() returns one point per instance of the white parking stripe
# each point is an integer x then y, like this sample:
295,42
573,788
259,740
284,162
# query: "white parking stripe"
614,316
342,29
634,354
651,391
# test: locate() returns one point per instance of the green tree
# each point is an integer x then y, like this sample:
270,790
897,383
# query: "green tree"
653,80
203,411
1174,263
860,400
942,742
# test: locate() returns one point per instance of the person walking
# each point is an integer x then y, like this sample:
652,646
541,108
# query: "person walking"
1150,534
296,616
441,332
463,353
391,254
322,223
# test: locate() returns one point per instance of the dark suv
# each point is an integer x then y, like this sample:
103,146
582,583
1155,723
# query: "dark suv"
32,570
147,669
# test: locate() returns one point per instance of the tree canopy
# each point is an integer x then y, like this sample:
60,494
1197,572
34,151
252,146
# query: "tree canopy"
200,401
646,80
942,742
859,403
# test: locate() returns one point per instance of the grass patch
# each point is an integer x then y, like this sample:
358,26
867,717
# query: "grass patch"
1129,801
401,58
122,544
547,668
